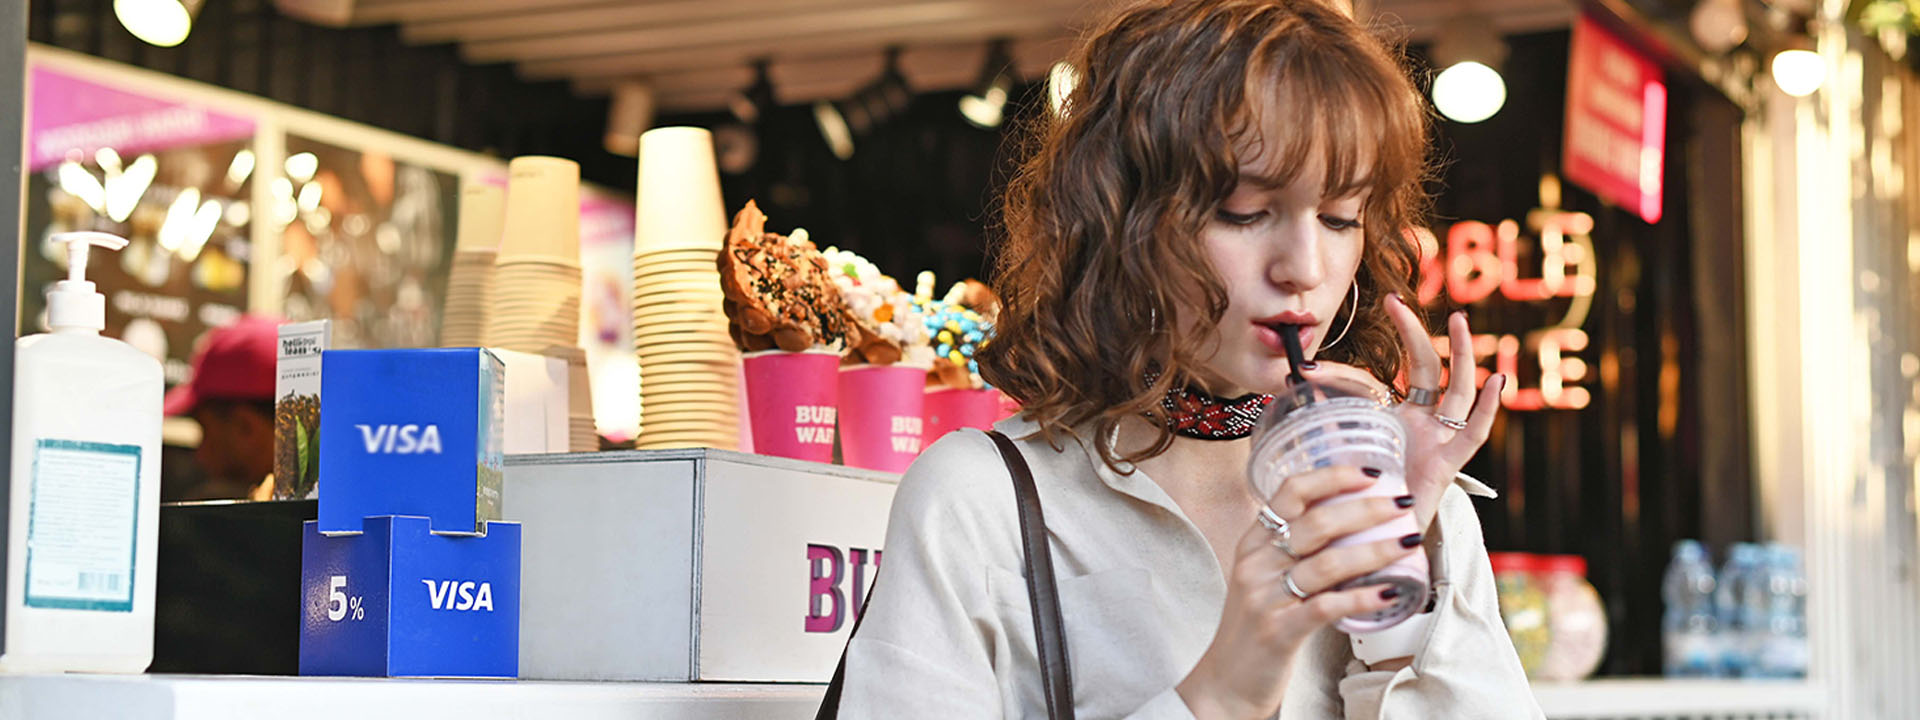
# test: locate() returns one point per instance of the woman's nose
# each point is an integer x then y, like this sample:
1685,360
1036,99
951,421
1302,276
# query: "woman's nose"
1295,265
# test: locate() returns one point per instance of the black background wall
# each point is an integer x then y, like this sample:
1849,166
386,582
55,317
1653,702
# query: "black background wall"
1660,454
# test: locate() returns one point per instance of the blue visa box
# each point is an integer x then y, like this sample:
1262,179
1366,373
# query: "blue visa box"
399,601
411,432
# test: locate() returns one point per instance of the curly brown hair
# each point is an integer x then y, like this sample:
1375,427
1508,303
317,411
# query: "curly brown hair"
1102,256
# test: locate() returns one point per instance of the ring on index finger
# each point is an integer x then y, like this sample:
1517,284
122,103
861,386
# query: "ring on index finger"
1282,532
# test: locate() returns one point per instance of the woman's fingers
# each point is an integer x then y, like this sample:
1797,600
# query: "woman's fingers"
1327,608
1457,401
1423,364
1302,491
1329,568
1330,521
1465,443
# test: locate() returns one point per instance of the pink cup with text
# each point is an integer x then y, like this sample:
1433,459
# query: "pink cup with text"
793,403
881,423
950,409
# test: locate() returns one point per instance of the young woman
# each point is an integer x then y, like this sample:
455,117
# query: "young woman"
1224,167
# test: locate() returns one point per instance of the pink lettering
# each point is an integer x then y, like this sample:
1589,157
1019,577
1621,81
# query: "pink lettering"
824,585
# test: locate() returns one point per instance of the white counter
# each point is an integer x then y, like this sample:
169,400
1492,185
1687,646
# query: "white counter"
195,697
192,697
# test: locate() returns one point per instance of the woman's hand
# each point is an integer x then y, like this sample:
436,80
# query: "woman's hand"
1244,673
1435,452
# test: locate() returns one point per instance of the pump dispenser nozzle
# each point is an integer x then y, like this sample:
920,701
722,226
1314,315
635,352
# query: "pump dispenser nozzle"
73,304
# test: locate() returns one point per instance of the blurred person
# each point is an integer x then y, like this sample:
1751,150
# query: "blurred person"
230,395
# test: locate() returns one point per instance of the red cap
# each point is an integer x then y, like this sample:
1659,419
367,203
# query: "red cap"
1511,562
1574,564
235,362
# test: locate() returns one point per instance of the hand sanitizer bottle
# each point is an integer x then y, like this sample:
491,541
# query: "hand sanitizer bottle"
84,507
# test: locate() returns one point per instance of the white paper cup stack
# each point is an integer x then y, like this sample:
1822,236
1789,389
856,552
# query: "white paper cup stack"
463,322
536,280
689,367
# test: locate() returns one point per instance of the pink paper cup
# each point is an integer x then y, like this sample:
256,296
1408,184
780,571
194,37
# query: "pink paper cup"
1008,406
950,409
793,401
881,422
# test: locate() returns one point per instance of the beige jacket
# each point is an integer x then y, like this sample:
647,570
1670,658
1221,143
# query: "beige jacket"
948,633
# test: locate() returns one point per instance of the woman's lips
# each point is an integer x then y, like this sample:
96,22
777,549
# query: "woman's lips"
1270,337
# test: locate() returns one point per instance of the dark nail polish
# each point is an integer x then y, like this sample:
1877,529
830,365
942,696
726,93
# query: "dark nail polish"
1404,501
1371,472
1410,540
1390,593
1309,365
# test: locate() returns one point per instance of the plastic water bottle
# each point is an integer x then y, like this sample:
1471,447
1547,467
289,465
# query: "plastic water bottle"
1784,654
1741,602
1687,629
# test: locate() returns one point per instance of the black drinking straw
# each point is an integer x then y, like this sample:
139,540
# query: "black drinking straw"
1290,336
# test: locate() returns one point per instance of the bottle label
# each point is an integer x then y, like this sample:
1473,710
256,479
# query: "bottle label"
81,525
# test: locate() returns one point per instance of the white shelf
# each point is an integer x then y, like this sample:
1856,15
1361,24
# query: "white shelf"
190,697
1662,698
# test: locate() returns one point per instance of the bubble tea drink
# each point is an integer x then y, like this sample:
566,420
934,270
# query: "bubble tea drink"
1317,424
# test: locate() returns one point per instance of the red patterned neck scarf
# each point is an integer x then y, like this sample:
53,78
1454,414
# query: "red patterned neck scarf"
1195,413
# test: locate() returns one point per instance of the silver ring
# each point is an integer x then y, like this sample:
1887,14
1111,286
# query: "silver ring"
1454,423
1282,533
1425,397
1292,588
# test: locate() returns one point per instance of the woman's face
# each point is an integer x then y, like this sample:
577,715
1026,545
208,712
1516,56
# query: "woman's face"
1288,256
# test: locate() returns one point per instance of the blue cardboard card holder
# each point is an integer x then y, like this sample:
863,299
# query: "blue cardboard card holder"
399,601
411,432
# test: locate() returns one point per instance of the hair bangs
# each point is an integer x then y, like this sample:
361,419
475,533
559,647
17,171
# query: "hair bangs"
1305,103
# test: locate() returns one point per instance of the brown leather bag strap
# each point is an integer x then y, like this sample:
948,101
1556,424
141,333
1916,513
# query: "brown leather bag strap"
1056,677
1043,594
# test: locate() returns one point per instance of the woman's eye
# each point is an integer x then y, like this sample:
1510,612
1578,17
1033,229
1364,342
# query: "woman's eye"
1233,218
1335,222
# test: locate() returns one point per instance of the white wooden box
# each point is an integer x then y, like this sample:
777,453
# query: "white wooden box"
691,565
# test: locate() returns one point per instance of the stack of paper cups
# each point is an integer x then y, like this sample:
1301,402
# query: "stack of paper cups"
463,321
689,366
536,283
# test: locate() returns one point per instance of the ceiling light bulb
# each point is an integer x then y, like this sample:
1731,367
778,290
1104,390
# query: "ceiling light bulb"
1469,92
164,23
1061,80
833,127
1799,72
985,112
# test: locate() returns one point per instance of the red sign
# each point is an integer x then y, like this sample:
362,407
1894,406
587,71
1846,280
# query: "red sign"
1616,121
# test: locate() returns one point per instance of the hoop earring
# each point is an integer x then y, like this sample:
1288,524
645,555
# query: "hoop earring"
1349,326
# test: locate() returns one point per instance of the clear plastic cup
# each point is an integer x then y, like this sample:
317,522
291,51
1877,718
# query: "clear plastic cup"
1326,423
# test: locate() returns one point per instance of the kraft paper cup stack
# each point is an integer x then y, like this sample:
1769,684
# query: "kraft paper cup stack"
689,366
463,321
536,282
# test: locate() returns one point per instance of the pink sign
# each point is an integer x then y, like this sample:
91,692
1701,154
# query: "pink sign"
1616,121
69,115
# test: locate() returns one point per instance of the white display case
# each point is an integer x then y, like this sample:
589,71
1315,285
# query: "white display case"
691,565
